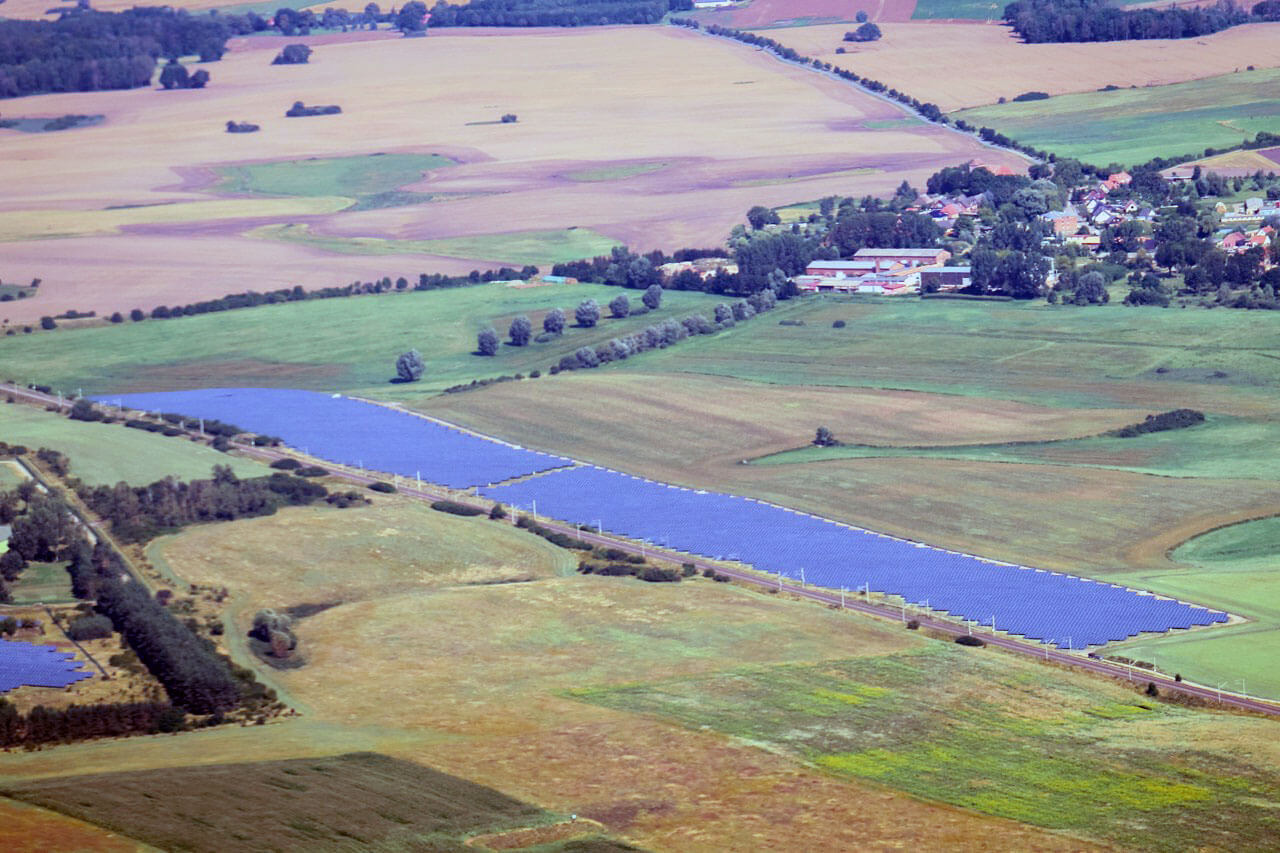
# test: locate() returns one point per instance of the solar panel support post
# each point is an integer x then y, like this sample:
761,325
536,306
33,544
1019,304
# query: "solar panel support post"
419,481
1046,647
802,577
842,598
1220,686
779,580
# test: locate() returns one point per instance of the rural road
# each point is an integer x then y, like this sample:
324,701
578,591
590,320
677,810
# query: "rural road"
885,611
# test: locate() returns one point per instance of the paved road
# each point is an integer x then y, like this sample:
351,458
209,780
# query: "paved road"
884,611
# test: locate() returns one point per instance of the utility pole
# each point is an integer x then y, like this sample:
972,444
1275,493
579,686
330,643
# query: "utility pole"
842,598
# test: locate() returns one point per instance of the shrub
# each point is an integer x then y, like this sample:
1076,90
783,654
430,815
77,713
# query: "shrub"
913,624
1032,96
48,324
688,570
1152,690
300,109
90,627
292,54
487,342
498,512
385,488
84,410
455,508
969,640
653,574
1175,419
242,127
311,471
509,118
620,306
286,464
838,324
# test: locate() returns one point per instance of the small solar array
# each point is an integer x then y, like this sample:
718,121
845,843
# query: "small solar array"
1069,611
353,432
30,665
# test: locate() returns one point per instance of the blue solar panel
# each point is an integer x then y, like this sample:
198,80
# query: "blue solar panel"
1048,606
352,432
28,665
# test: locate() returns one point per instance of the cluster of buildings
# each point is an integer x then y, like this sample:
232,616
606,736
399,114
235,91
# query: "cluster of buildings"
1243,227
883,271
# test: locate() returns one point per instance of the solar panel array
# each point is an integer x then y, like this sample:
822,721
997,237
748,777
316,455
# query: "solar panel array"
1069,611
30,665
352,432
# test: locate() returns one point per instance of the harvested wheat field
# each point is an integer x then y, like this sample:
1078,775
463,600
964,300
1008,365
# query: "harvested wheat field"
950,64
592,150
1234,163
49,9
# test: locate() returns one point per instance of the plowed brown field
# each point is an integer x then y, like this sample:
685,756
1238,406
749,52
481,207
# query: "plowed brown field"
957,65
727,126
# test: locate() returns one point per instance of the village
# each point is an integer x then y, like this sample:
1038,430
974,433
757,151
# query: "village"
1079,229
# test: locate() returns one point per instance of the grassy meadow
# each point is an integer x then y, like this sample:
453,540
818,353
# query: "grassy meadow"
999,736
973,10
371,181
105,454
516,249
344,344
1131,126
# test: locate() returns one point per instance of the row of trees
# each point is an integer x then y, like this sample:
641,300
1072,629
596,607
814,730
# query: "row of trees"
1040,21
668,333
553,13
85,722
193,674
86,51
298,293
140,513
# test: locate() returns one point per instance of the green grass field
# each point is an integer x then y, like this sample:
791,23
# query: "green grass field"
974,10
1117,356
372,180
359,801
1131,126
43,583
1222,447
616,173
333,344
1233,568
540,248
990,733
108,453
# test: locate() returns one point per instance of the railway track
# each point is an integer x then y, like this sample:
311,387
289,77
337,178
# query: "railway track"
889,612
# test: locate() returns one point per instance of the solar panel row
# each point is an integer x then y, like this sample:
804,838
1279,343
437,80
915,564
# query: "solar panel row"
30,665
1048,606
352,432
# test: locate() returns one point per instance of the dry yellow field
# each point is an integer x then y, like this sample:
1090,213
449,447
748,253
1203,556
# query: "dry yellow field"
476,679
711,423
37,9
954,64
732,128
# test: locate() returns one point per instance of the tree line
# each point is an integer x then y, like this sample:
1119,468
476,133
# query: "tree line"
86,51
1040,21
553,13
140,513
85,722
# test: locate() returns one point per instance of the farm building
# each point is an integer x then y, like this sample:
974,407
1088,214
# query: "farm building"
894,282
887,259
945,278
840,269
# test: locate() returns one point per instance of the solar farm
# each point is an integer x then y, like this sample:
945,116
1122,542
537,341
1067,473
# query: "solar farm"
1068,611
352,432
1064,610
29,665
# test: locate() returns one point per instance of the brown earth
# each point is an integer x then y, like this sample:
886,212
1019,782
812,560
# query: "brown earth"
950,63
29,829
737,127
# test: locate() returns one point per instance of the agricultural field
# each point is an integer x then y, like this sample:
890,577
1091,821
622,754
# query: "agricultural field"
127,235
1237,163
903,378
342,344
287,804
949,64
501,663
1084,758
1132,126
957,10
29,829
1233,566
105,454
